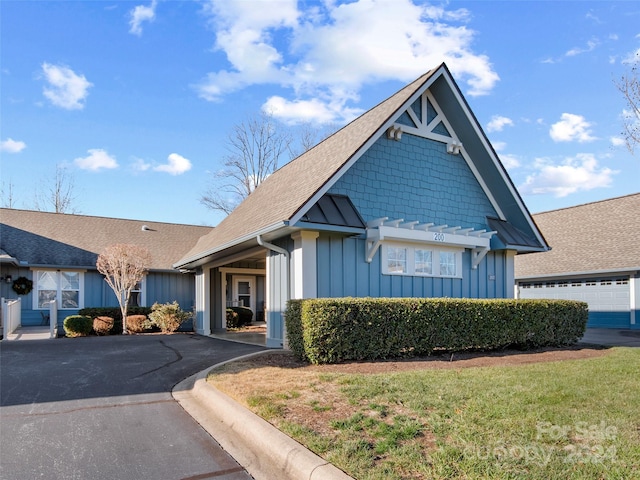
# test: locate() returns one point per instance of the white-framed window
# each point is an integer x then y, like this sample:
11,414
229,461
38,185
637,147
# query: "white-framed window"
423,261
138,297
64,286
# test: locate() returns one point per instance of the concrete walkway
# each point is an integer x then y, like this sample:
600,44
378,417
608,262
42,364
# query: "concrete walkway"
611,337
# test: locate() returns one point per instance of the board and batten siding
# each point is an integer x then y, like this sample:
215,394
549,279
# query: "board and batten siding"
344,272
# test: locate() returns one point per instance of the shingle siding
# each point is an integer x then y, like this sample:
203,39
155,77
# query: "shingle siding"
415,179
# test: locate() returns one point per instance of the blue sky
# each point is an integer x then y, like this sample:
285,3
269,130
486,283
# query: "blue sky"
134,99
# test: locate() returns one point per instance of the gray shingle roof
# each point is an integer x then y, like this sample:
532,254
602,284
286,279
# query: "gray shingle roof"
301,179
57,239
595,237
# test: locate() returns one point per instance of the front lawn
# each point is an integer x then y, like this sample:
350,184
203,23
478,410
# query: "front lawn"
570,419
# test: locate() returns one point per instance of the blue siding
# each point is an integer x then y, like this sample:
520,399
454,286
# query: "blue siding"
161,288
343,271
415,179
610,320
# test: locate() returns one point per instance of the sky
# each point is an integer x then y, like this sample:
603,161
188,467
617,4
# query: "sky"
134,100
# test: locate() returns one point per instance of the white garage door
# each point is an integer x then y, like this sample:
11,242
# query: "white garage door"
602,295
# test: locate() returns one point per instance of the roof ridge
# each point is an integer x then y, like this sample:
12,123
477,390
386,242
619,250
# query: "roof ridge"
588,203
40,212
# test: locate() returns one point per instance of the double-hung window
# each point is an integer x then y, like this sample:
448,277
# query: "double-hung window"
425,261
64,286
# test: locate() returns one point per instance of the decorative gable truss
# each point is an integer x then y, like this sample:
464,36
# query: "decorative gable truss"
424,118
383,229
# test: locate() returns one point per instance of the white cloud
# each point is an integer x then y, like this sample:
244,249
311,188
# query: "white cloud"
313,110
578,173
176,165
324,62
97,159
12,146
139,165
509,161
570,128
66,88
140,14
591,45
498,122
617,141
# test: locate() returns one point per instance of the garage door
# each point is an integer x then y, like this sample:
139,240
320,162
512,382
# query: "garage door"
608,298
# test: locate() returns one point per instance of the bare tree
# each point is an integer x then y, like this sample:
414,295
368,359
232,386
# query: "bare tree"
123,266
254,147
6,193
629,86
57,195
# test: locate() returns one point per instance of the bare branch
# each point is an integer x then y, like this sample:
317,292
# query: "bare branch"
57,195
123,266
629,86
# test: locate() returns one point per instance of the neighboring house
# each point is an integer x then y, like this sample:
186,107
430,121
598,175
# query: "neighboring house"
58,252
595,258
408,200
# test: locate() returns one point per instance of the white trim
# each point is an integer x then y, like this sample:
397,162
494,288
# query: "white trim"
509,274
243,271
58,297
235,279
304,260
372,139
634,296
410,250
496,162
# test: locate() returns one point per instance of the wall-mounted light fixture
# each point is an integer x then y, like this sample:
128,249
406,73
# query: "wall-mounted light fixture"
454,148
394,133
6,278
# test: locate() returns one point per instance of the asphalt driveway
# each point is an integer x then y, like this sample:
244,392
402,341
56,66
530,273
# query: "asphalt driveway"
101,408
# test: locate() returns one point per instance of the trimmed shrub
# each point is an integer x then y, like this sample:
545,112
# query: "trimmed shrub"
102,325
233,319
138,323
334,330
77,326
168,316
115,313
241,316
294,331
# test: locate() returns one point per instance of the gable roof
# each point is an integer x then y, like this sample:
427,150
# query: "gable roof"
287,194
32,238
593,237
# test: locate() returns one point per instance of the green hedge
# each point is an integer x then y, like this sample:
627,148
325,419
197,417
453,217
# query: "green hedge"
77,326
333,330
115,313
239,316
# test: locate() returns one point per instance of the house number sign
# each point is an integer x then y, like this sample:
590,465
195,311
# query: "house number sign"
438,237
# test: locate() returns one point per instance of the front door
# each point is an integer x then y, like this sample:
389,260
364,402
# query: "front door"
243,292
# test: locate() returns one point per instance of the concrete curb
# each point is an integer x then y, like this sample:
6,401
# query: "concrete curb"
263,450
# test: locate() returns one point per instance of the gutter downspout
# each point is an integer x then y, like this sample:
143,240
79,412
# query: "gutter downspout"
286,253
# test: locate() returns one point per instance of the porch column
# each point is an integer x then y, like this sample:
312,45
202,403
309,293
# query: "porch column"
203,301
304,259
511,290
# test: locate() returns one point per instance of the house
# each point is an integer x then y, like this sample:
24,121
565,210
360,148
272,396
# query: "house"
58,253
595,258
408,200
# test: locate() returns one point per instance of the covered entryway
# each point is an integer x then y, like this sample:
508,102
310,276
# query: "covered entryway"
609,298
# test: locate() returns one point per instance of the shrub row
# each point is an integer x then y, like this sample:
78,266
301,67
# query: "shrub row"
115,313
166,317
239,316
332,330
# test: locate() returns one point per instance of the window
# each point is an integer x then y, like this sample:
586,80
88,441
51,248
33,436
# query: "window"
396,260
420,261
423,262
447,264
576,284
66,287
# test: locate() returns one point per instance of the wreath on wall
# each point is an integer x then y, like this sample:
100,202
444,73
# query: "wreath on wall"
22,285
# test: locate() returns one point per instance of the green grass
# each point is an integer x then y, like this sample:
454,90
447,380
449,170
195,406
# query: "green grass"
572,420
